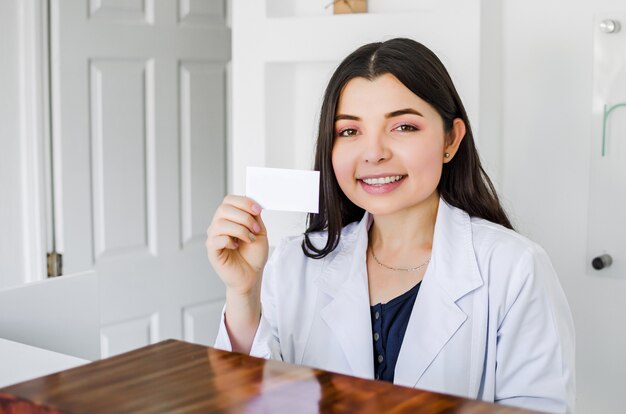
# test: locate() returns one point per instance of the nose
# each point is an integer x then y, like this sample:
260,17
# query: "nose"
376,149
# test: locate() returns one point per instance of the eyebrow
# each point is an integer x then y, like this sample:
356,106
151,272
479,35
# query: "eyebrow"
393,114
348,117
404,111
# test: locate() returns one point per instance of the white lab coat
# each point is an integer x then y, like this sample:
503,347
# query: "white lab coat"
490,321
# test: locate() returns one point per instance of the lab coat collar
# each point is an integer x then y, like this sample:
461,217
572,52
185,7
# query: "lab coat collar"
453,262
452,273
344,279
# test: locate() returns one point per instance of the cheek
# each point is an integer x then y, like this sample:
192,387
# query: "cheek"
342,165
426,163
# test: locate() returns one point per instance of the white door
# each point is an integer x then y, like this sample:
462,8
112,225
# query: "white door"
139,138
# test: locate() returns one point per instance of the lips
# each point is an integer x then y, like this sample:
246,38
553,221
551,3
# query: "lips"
381,184
382,180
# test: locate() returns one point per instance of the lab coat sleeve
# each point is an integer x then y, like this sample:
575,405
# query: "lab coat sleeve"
535,341
265,343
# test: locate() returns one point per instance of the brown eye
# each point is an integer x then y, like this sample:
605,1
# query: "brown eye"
406,128
348,132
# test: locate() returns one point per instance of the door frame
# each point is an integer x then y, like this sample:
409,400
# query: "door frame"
36,148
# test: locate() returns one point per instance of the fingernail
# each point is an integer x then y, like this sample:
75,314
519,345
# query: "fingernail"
256,209
252,237
256,227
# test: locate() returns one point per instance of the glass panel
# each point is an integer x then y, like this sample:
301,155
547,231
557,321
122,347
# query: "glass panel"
607,181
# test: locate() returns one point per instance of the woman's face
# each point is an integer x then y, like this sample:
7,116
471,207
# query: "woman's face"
389,145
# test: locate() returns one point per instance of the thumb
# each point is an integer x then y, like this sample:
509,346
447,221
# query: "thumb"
261,223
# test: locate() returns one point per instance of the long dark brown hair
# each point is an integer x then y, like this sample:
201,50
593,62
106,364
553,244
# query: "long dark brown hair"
464,183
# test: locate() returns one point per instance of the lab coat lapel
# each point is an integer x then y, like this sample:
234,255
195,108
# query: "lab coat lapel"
452,273
347,314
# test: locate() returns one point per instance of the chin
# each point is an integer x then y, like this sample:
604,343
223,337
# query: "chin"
390,206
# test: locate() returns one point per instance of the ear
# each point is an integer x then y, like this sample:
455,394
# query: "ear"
454,139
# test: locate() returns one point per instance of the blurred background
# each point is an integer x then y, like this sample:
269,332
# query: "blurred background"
123,123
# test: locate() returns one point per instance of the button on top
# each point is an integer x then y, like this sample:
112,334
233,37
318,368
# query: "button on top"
388,334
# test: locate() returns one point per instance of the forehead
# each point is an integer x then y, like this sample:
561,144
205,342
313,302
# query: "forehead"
384,94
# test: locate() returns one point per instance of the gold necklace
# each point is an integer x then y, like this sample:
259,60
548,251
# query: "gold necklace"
401,269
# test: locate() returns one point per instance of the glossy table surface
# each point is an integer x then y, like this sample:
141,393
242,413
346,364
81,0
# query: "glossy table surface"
179,377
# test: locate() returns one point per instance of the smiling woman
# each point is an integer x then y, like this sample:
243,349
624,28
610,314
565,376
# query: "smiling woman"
411,272
382,77
365,145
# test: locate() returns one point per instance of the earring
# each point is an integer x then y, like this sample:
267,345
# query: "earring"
446,155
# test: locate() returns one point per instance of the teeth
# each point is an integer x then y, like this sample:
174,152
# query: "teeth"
382,180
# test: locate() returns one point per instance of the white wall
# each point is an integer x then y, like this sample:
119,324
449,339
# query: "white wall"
548,61
12,265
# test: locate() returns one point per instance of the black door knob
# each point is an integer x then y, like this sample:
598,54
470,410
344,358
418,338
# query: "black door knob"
601,262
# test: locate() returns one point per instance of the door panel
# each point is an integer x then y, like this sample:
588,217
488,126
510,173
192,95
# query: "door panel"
202,97
139,141
196,318
119,94
129,335
133,11
201,12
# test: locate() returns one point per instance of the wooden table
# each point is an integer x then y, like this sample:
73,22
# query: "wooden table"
179,377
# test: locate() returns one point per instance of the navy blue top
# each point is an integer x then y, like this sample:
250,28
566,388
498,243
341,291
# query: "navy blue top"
389,322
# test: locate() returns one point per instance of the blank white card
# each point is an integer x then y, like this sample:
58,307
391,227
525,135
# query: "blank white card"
284,189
